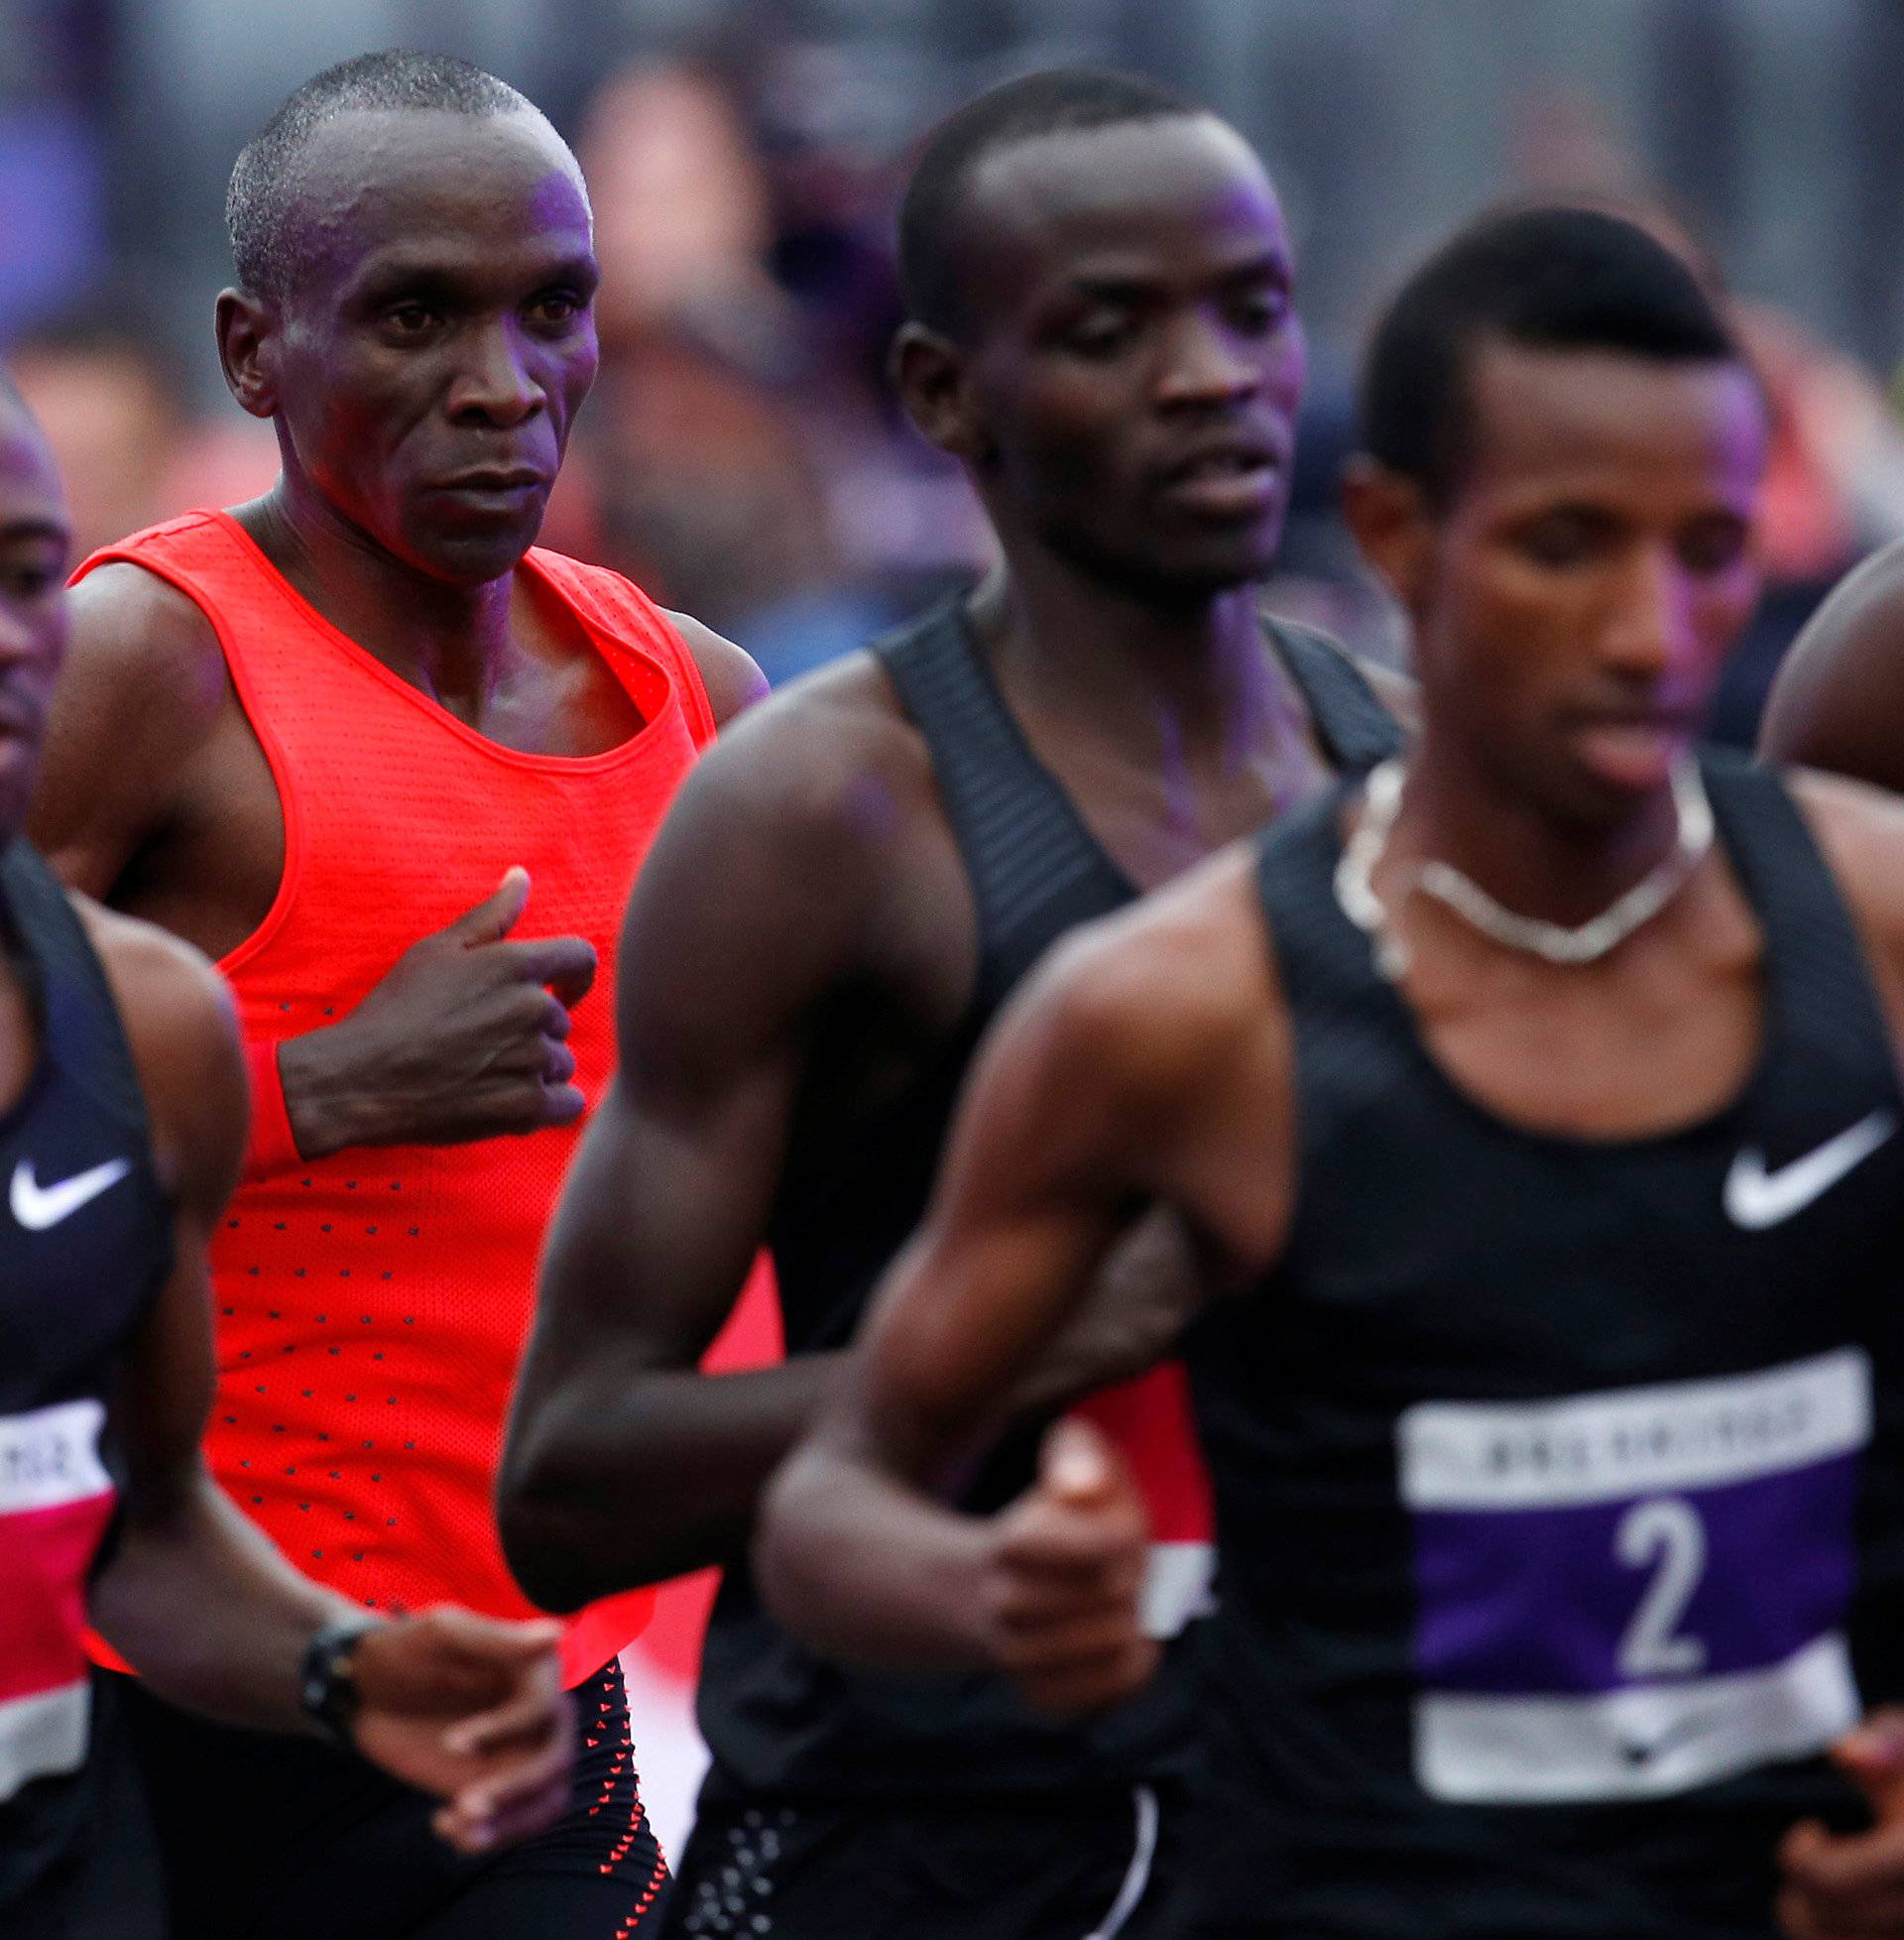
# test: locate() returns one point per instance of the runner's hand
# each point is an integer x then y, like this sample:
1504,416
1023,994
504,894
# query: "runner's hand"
472,1711
465,1038
1066,1567
1850,1886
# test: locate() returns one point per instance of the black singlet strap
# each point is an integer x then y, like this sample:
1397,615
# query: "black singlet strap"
1323,959
80,1027
1023,841
1356,730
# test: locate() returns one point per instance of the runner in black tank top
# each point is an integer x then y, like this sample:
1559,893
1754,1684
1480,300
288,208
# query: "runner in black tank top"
85,1244
1549,1379
844,893
122,1122
778,1720
1576,1439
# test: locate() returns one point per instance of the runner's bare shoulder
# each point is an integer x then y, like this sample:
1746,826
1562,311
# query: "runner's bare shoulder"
827,769
142,692
732,682
1839,699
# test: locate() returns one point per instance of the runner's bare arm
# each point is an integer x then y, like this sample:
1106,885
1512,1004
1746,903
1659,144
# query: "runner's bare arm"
195,1596
732,682
1860,829
1838,701
1075,1119
747,916
139,700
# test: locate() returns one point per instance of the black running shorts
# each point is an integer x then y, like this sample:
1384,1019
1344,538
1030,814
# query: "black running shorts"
1071,1868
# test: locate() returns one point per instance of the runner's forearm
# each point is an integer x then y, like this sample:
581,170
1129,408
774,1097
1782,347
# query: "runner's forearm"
865,1567
201,1604
583,1512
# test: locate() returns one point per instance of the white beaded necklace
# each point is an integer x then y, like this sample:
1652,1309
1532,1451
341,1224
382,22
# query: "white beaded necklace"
1554,943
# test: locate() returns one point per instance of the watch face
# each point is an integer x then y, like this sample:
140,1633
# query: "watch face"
328,1691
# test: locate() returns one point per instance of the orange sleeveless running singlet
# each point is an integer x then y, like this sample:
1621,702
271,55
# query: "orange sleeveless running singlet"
372,1306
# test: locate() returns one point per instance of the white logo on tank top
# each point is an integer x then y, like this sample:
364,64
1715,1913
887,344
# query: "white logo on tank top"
1757,1198
37,1206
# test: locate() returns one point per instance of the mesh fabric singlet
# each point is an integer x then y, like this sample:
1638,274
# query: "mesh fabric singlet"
373,1305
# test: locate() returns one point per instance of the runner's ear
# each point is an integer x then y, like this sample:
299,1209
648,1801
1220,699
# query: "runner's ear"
928,371
246,351
1391,519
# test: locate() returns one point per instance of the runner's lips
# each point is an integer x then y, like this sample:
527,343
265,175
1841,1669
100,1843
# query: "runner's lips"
1231,478
1654,720
1222,458
1634,749
507,480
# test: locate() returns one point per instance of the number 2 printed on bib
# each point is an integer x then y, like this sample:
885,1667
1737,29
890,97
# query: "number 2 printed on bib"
1636,1592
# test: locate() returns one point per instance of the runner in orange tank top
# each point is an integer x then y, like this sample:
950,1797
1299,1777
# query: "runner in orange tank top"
396,769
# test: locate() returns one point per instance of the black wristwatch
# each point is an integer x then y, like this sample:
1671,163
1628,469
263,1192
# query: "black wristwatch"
325,1684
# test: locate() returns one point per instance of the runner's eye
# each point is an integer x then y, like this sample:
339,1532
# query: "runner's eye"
409,319
1260,311
29,576
557,308
1715,546
1562,539
1101,334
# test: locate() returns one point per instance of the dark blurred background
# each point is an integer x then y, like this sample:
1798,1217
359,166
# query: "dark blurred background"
741,458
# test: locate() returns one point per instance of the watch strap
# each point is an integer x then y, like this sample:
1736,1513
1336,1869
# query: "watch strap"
326,1686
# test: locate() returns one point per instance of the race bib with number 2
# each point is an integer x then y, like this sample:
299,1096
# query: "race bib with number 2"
1636,1592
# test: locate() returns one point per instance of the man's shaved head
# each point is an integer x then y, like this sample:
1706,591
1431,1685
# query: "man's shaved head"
266,178
1059,101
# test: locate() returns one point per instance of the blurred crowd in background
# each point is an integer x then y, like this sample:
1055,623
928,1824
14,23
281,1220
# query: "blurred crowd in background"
743,458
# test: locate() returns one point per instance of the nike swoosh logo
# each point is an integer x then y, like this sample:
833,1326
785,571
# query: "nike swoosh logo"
1757,1198
37,1206
1644,1751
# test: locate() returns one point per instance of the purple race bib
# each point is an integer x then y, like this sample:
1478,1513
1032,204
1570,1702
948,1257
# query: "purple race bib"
1636,1592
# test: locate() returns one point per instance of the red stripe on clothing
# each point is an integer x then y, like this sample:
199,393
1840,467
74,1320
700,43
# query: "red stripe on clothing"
46,1556
1151,1422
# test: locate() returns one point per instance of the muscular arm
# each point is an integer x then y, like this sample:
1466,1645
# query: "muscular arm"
1860,830
623,1463
1838,701
1103,1088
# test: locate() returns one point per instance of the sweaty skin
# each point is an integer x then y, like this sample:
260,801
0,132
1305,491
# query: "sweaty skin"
422,378
803,944
456,1704
1572,609
1839,699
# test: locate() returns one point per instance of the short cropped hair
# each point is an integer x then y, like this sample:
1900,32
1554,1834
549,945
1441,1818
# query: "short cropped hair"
1548,279
1056,102
265,178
